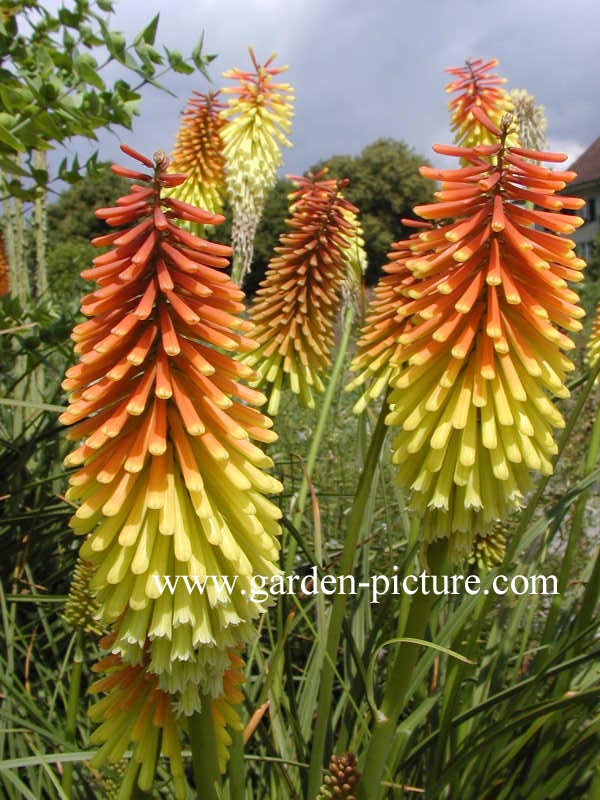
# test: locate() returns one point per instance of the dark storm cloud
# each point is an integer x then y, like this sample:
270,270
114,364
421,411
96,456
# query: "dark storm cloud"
362,70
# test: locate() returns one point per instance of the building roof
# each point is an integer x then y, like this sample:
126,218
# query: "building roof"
587,166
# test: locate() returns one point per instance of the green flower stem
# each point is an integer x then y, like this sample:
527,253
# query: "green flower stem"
237,773
72,706
398,682
237,270
315,444
205,761
359,507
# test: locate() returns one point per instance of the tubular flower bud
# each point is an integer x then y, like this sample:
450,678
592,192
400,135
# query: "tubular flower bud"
478,88
168,480
593,344
257,120
379,348
135,713
296,305
343,778
489,548
529,118
4,269
81,607
484,352
198,153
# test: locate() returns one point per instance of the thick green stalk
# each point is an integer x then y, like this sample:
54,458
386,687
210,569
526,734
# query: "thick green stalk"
72,707
40,217
205,761
237,270
237,772
317,438
336,618
398,682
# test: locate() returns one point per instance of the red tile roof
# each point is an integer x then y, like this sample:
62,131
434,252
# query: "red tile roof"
587,166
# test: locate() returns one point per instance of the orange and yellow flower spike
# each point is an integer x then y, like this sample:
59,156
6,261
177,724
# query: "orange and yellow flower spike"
169,480
258,119
592,351
378,348
198,153
136,714
484,352
296,305
478,88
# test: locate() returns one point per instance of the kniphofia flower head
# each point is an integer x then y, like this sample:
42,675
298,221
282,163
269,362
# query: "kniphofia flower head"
136,714
529,118
169,481
198,153
477,87
489,313
296,306
258,120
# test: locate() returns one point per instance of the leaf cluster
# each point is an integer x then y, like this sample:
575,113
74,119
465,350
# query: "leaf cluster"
51,82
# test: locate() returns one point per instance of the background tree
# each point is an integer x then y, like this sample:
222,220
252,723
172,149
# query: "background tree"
384,184
71,225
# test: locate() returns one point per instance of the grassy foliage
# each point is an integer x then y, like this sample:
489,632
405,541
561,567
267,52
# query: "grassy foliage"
519,719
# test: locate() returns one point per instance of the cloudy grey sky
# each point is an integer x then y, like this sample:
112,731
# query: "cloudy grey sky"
364,69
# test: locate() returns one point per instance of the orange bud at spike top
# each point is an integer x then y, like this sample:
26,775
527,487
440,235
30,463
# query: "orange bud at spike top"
168,480
480,104
198,153
476,342
296,306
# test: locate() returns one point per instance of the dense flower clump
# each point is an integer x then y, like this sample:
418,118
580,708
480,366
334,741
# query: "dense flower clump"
296,307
